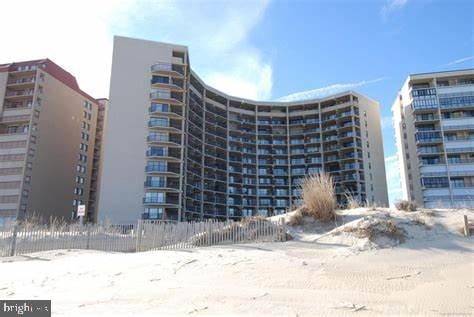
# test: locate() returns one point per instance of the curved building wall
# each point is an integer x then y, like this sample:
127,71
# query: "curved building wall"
211,155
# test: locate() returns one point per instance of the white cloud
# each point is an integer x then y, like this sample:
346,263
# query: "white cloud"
460,61
78,36
326,91
392,170
386,122
254,81
74,34
391,6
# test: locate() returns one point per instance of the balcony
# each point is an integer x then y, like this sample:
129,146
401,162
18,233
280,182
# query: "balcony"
21,82
168,68
163,185
167,96
163,139
164,125
18,94
461,101
161,169
175,155
331,138
425,118
458,127
162,109
160,201
19,118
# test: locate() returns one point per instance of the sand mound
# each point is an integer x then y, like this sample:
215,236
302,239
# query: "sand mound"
364,229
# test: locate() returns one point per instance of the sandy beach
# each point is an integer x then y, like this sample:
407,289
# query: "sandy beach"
430,273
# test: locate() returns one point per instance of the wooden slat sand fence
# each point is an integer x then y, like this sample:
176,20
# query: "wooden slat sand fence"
185,235
143,236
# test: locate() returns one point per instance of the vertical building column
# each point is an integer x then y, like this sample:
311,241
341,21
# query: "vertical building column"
451,195
257,202
321,139
184,142
227,159
288,164
203,149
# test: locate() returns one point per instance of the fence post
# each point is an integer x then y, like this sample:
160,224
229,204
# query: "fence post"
139,236
283,229
88,236
13,244
466,226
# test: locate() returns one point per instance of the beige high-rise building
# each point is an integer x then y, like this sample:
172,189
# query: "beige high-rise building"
47,138
434,123
177,148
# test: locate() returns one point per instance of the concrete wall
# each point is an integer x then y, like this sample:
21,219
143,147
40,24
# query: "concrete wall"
123,175
376,186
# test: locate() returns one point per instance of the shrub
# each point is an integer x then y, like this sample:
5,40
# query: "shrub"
318,194
405,205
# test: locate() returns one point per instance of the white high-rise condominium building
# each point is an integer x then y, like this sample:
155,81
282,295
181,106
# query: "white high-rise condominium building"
434,123
177,148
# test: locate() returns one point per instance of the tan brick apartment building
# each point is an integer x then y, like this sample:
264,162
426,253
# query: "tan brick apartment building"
47,141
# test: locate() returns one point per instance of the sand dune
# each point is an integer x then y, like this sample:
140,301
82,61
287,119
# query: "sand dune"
326,270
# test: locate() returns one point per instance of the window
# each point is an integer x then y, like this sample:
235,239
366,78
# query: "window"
12,129
155,197
156,166
156,79
158,122
82,158
87,105
84,136
159,107
153,213
155,181
157,151
281,202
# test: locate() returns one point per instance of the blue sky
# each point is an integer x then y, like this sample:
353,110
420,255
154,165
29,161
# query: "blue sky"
259,49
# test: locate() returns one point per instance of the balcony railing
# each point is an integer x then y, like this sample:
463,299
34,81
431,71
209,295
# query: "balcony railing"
458,127
151,153
163,138
161,169
168,67
20,93
158,184
22,81
168,95
160,201
160,109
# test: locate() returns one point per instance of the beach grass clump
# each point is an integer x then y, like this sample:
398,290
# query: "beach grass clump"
351,201
406,205
319,197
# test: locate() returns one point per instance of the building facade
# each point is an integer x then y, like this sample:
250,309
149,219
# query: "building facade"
92,206
434,124
47,135
177,148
